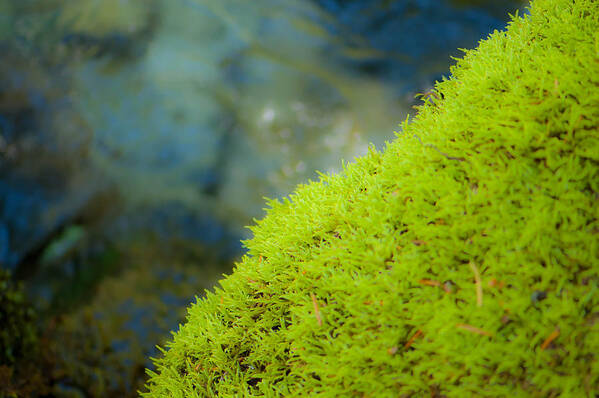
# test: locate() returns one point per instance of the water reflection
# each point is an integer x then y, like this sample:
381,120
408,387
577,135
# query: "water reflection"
139,137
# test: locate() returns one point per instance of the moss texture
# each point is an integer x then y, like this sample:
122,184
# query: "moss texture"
462,260
22,362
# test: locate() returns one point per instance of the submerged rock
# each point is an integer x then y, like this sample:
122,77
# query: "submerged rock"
107,343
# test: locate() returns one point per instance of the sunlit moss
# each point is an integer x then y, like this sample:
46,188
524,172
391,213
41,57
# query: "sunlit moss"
461,261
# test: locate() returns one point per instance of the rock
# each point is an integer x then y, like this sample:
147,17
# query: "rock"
106,343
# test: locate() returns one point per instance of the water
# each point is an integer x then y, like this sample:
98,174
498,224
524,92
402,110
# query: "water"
231,101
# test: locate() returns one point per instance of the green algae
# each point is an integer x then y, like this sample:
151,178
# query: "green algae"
462,260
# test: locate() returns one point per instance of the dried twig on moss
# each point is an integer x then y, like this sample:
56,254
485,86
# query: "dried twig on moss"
478,283
316,310
554,335
474,329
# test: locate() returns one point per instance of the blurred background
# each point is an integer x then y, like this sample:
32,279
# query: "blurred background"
139,137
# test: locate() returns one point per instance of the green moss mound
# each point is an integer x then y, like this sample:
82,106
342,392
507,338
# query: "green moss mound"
461,261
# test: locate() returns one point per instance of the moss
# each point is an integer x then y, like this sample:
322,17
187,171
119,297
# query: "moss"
22,368
18,332
462,260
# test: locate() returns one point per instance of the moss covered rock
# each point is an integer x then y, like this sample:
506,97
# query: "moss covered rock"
462,260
